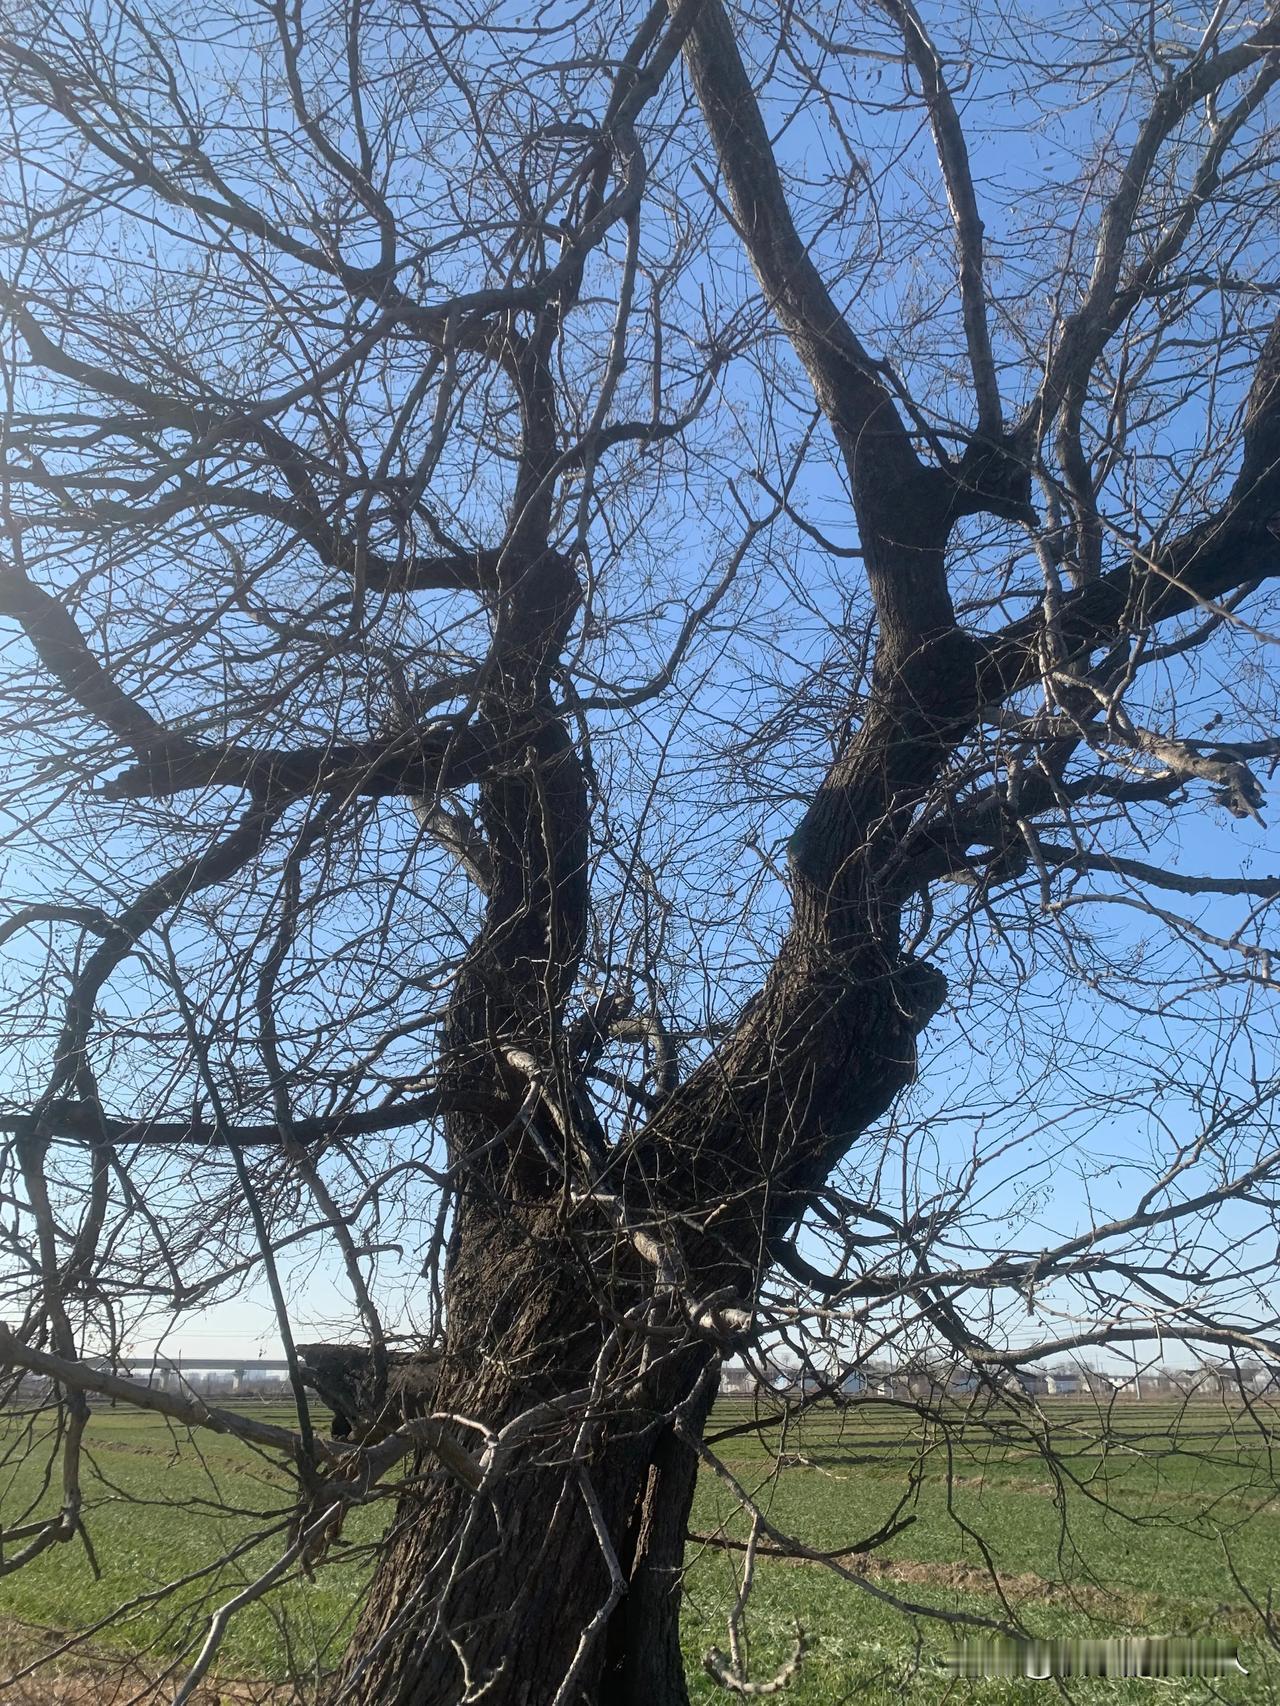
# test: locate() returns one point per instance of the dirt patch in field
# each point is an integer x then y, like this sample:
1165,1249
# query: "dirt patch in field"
977,1579
1011,1484
88,1678
95,1688
1128,1604
88,1689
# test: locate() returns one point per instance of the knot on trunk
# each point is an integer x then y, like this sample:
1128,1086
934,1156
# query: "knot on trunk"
369,1401
921,990
993,476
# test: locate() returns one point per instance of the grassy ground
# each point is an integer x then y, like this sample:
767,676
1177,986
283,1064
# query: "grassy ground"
1160,1523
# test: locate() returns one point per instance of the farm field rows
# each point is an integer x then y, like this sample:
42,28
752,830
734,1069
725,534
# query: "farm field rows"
1170,1524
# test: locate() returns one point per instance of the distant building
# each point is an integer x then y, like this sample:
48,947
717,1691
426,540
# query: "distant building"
737,1382
1063,1383
1223,1382
783,1379
887,1383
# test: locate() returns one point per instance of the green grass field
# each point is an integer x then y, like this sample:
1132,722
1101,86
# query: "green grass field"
1169,1525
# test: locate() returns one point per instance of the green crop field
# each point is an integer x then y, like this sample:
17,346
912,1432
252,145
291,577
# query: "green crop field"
1163,1522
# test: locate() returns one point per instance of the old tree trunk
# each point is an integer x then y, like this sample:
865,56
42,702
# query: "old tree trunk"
595,1290
603,1310
591,1293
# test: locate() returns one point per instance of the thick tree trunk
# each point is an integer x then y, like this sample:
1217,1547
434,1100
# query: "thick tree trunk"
492,1598
578,1267
645,1664
569,1567
522,1595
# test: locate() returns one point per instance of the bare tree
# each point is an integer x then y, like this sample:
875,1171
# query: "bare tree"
517,731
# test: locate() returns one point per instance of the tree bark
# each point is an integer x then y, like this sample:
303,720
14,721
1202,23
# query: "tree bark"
505,1594
518,1579
645,1665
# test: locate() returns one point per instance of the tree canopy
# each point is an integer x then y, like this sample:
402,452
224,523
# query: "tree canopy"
638,696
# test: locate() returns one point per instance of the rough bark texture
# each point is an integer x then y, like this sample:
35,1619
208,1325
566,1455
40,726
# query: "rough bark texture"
645,1665
514,1577
369,1401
